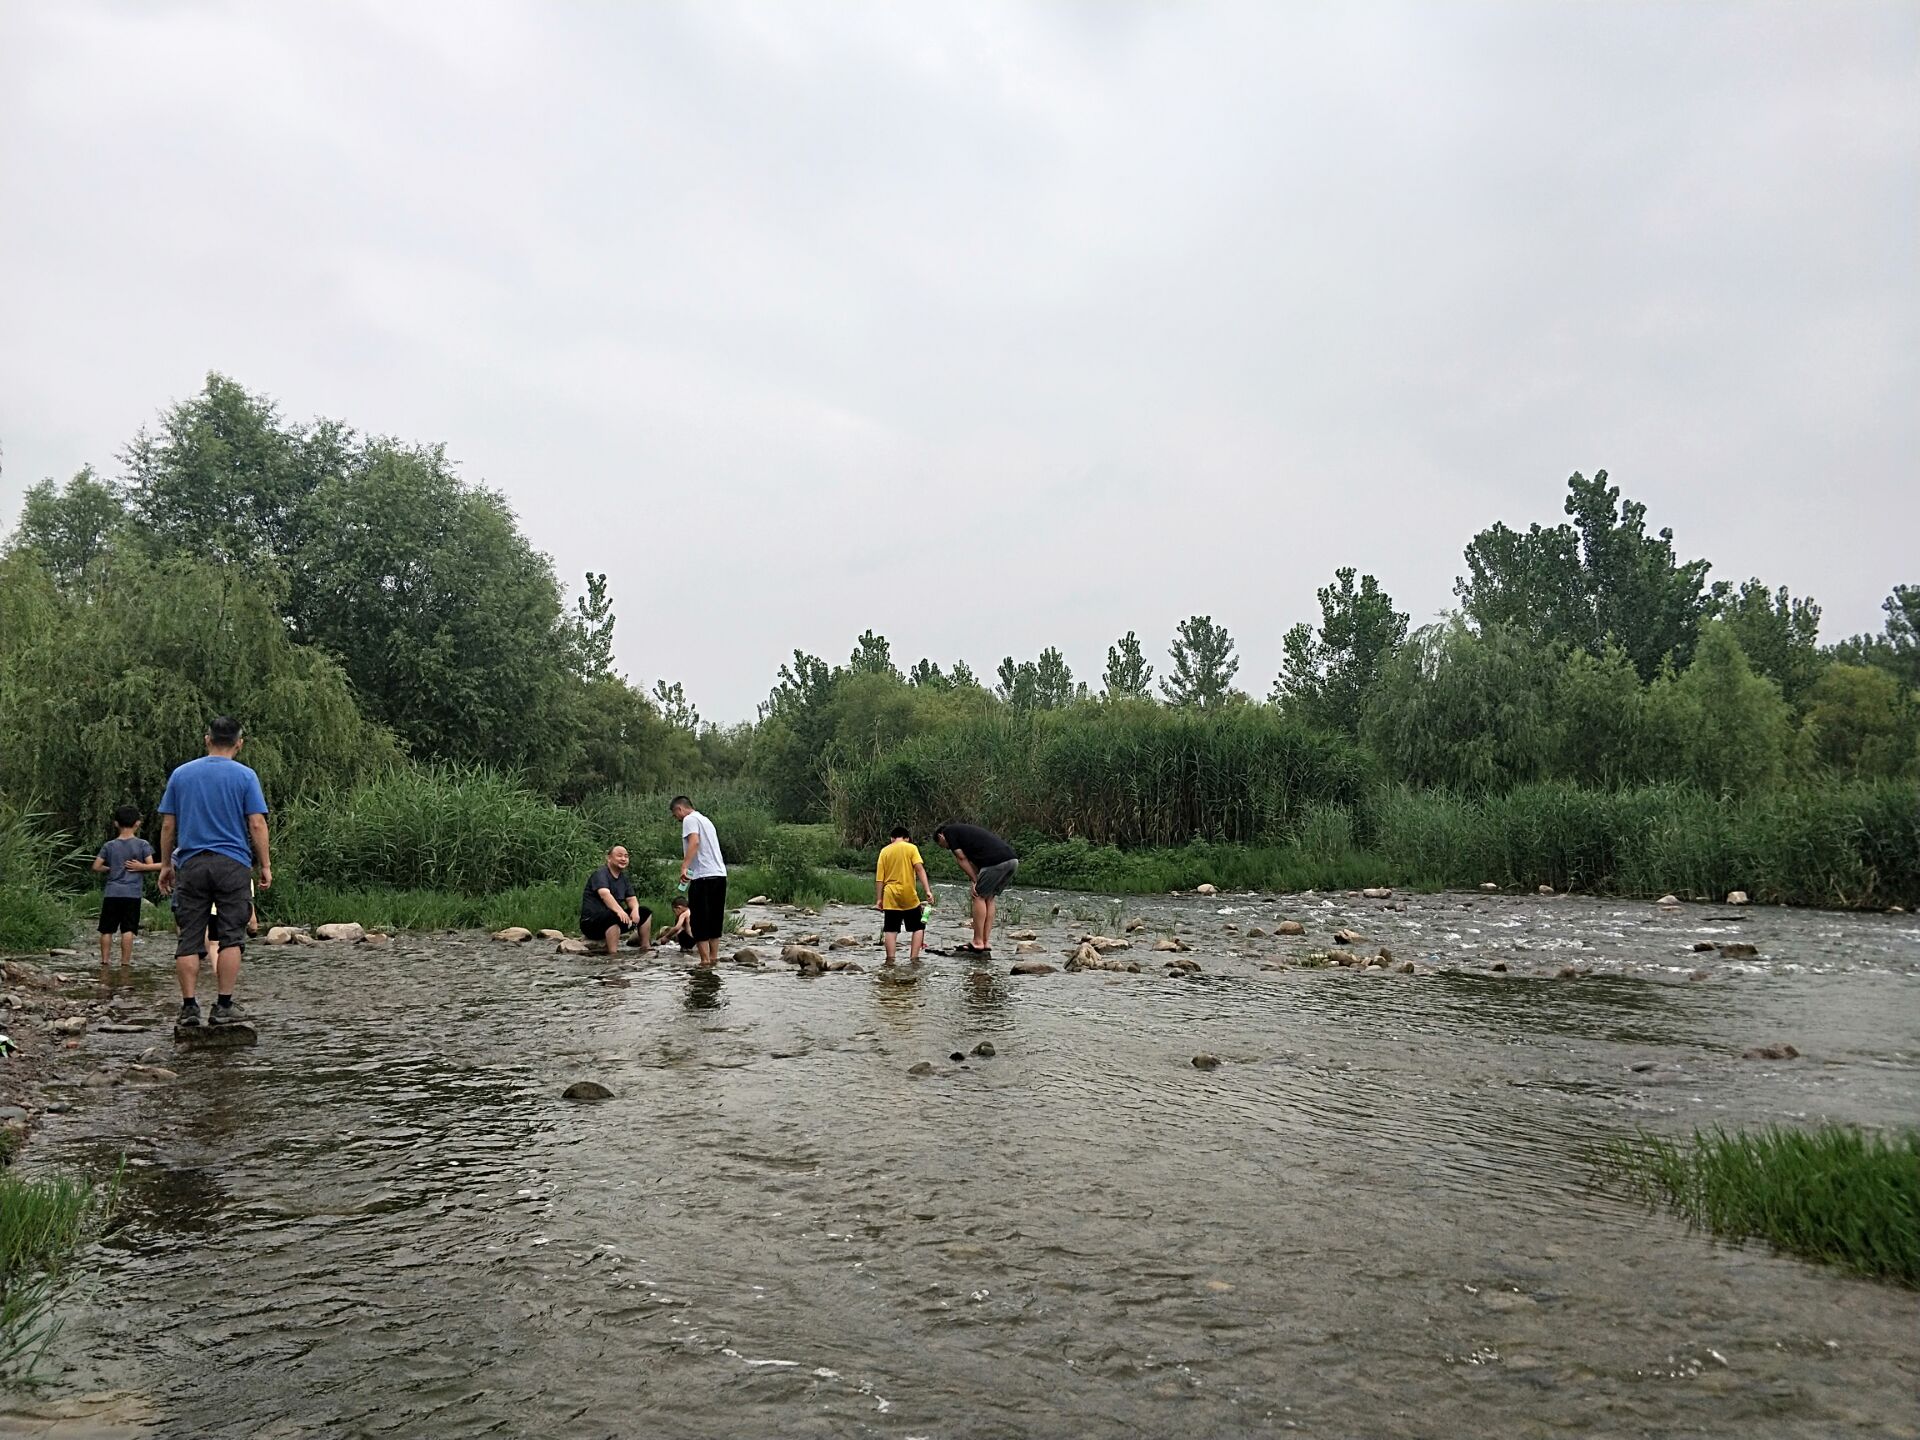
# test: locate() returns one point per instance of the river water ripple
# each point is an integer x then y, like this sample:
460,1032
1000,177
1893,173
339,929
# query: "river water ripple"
1378,1217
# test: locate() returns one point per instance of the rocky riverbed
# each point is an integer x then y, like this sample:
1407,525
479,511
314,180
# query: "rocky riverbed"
957,1201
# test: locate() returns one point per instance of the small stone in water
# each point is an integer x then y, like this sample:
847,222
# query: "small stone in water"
1737,897
985,1050
925,1067
1206,1062
1739,950
957,1056
586,1090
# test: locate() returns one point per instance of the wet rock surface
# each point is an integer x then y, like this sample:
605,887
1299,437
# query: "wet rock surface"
1343,1223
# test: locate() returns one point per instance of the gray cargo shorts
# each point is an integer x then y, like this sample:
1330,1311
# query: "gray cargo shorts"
993,878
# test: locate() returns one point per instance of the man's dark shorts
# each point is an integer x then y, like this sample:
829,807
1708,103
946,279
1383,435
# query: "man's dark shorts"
707,905
908,920
993,878
206,880
120,913
595,923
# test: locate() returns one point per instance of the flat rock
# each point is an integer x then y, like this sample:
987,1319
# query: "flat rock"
514,935
1739,950
350,931
1700,947
746,957
1668,900
283,935
1347,937
1031,967
1289,927
842,942
376,937
1488,885
1772,1052
1027,947
1172,944
72,1025
552,934
1737,897
925,1067
1024,935
759,900
1378,892
1544,890
1206,1062
586,1090
216,1037
1206,890
152,1072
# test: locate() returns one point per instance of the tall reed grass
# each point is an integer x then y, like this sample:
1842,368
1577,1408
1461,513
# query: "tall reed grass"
33,914
469,831
1834,1194
1126,775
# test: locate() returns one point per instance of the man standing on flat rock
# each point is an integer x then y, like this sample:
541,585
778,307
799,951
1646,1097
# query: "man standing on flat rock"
703,870
213,828
608,907
989,862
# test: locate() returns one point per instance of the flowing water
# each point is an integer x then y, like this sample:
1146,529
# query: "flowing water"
1378,1217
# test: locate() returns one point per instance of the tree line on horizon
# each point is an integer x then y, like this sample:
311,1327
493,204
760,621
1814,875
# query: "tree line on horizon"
362,605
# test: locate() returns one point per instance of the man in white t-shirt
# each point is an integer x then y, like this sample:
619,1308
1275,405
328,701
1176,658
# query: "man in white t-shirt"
703,870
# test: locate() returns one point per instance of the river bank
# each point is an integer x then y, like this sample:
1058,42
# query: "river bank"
1378,1214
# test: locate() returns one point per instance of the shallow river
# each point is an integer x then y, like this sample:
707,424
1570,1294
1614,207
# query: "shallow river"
1378,1217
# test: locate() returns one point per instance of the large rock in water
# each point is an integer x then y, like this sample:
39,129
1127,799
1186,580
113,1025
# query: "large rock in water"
1737,897
586,1090
348,930
216,1037
514,935
1206,890
1289,927
1031,967
283,935
571,947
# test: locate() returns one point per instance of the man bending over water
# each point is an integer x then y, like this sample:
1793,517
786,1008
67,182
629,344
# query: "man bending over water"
213,828
989,862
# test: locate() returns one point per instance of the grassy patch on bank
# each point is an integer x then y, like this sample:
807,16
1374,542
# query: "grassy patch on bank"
43,1223
1839,1195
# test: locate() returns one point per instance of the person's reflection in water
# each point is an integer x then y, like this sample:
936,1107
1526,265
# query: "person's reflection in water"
896,993
986,994
703,990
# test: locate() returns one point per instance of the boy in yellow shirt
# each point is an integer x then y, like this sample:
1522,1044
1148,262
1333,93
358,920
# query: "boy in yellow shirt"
897,881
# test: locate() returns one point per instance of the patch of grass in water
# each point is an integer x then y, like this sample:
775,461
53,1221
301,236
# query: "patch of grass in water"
1836,1194
43,1224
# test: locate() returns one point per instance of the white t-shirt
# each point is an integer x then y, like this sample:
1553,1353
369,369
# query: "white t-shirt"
707,860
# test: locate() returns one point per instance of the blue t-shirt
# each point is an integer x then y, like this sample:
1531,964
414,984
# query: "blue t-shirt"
210,800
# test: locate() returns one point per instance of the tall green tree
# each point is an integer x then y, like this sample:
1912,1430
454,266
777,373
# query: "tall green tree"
1203,665
1325,678
674,707
1861,723
1129,676
1578,584
1732,728
1779,635
593,622
103,690
226,478
872,655
69,528
1466,708
1896,649
447,620
926,673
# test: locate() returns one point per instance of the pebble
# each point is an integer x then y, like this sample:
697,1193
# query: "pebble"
1204,1061
985,1050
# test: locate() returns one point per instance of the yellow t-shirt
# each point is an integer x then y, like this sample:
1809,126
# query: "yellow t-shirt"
895,871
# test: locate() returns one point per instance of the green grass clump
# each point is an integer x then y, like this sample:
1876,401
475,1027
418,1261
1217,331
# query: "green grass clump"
470,831
33,914
43,1223
1836,1194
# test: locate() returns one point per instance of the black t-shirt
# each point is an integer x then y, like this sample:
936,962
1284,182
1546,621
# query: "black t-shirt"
619,886
983,847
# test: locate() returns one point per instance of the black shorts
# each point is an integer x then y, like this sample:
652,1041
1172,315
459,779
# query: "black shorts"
595,923
910,921
684,941
206,880
707,905
120,913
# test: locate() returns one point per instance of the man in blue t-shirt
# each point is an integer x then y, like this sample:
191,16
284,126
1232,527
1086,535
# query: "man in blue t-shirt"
213,827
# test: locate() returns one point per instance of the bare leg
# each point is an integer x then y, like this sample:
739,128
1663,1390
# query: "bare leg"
979,923
610,941
709,952
646,934
226,970
892,942
126,949
106,949
986,931
915,946
187,968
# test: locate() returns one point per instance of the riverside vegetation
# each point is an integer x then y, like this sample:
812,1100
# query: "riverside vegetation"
446,740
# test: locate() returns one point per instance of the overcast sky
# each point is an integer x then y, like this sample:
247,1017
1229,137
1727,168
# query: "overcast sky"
1000,326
